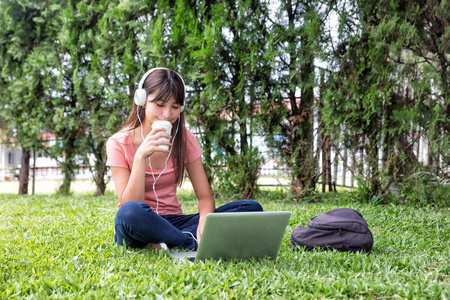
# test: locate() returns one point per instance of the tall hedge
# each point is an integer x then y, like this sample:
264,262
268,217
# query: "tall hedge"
251,67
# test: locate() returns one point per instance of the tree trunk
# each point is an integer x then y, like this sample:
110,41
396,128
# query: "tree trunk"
100,169
99,175
305,133
68,167
330,178
210,167
324,165
24,172
34,172
101,184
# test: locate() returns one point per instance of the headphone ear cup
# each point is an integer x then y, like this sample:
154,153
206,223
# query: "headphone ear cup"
140,97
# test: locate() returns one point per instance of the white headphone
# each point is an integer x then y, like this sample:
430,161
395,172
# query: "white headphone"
140,96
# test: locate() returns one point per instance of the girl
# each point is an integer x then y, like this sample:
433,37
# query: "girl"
146,175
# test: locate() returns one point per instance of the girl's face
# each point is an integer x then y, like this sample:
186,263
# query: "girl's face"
160,110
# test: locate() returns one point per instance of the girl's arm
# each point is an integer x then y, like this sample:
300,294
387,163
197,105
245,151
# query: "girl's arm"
200,184
130,185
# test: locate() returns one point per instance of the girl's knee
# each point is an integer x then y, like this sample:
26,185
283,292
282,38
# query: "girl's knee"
240,206
249,205
129,210
253,205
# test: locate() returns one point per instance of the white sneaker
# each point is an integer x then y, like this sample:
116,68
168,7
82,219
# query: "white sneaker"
159,247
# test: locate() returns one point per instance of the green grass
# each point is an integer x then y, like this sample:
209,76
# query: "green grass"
62,247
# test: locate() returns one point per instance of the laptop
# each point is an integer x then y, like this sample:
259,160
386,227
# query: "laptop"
239,235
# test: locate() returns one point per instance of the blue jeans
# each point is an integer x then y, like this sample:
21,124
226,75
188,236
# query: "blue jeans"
138,225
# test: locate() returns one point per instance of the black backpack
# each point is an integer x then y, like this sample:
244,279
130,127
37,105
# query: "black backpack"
343,229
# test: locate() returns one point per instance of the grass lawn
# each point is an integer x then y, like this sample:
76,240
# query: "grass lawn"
62,247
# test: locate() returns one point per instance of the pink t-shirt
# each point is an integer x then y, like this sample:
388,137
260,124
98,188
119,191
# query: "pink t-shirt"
120,151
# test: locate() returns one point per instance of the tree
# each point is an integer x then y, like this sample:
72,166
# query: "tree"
428,23
220,47
95,78
109,84
197,35
372,96
233,72
299,32
23,75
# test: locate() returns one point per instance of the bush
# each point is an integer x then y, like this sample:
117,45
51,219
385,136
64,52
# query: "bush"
424,188
240,177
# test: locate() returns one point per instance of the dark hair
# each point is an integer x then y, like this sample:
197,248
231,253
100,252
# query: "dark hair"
167,84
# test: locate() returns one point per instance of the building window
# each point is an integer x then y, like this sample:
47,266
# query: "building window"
10,158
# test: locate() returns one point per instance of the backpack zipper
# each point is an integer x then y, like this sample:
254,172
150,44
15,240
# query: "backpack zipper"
329,229
325,228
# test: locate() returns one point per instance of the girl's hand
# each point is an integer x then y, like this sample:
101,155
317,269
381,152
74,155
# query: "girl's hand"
157,137
201,224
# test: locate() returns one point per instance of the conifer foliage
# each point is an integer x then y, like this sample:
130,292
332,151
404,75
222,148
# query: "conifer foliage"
252,73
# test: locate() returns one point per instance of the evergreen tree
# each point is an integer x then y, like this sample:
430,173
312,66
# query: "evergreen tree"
234,71
381,61
110,83
77,89
299,32
25,31
426,34
220,46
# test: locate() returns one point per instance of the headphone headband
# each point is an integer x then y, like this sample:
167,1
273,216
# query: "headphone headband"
140,95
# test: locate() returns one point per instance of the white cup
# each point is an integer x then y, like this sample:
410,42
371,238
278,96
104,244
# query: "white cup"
167,126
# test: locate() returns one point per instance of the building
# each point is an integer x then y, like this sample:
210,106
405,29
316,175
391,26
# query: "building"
45,167
10,158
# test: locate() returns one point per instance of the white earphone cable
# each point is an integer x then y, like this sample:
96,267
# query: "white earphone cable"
150,162
191,235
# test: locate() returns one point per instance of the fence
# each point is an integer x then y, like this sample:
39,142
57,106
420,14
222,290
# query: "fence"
43,173
343,166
